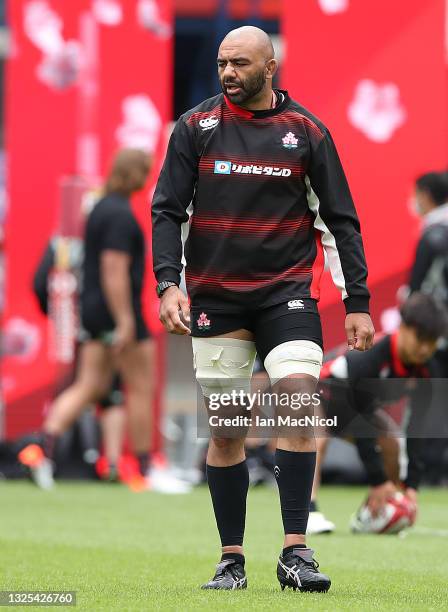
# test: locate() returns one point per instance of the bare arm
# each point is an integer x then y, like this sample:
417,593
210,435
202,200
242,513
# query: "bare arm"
116,284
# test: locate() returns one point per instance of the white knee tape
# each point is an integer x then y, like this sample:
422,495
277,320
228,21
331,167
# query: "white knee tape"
223,365
294,357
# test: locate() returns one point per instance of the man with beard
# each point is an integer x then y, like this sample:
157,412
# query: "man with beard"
267,194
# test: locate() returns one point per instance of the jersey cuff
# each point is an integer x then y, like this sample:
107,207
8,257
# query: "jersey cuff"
168,274
357,303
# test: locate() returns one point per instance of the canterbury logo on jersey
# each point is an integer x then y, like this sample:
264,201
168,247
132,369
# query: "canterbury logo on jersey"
227,167
208,123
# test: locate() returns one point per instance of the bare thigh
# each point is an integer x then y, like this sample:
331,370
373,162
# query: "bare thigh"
240,334
136,365
95,368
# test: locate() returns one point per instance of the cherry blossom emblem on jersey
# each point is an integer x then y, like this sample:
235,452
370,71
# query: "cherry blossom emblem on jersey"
203,321
290,141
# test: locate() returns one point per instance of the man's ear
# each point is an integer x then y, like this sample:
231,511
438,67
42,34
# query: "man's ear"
271,68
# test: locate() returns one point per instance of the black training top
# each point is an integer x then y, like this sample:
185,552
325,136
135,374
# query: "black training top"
268,195
111,226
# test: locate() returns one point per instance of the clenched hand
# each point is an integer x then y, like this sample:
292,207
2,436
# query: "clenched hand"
360,331
172,302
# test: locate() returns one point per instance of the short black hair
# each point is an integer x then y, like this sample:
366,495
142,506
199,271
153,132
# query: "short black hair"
435,184
427,316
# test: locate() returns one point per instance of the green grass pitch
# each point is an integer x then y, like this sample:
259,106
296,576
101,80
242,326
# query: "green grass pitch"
126,551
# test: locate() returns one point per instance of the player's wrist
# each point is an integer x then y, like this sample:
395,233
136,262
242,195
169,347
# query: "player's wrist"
165,287
357,304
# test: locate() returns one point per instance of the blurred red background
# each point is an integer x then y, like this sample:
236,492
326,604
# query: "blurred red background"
42,127
374,72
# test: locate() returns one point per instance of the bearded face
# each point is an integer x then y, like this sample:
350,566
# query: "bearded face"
240,87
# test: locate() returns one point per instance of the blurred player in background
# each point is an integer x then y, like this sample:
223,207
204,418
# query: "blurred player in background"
115,334
350,392
430,274
113,416
430,268
267,191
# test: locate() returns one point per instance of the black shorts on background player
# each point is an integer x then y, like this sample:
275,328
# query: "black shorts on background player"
98,327
111,226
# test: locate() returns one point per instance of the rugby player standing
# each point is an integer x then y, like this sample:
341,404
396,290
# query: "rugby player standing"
262,180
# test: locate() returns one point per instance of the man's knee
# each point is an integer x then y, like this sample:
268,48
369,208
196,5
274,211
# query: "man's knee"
226,445
294,369
295,385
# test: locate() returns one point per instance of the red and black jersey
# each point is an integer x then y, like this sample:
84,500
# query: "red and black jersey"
268,195
382,361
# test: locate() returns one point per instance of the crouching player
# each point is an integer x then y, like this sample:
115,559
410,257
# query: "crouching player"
355,386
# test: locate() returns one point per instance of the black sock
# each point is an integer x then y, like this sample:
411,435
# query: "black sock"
294,473
48,443
228,489
143,462
313,506
236,556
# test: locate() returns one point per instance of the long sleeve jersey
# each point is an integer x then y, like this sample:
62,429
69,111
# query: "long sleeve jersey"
267,195
378,377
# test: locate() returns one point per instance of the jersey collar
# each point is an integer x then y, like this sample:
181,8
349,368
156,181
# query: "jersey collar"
247,114
398,366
